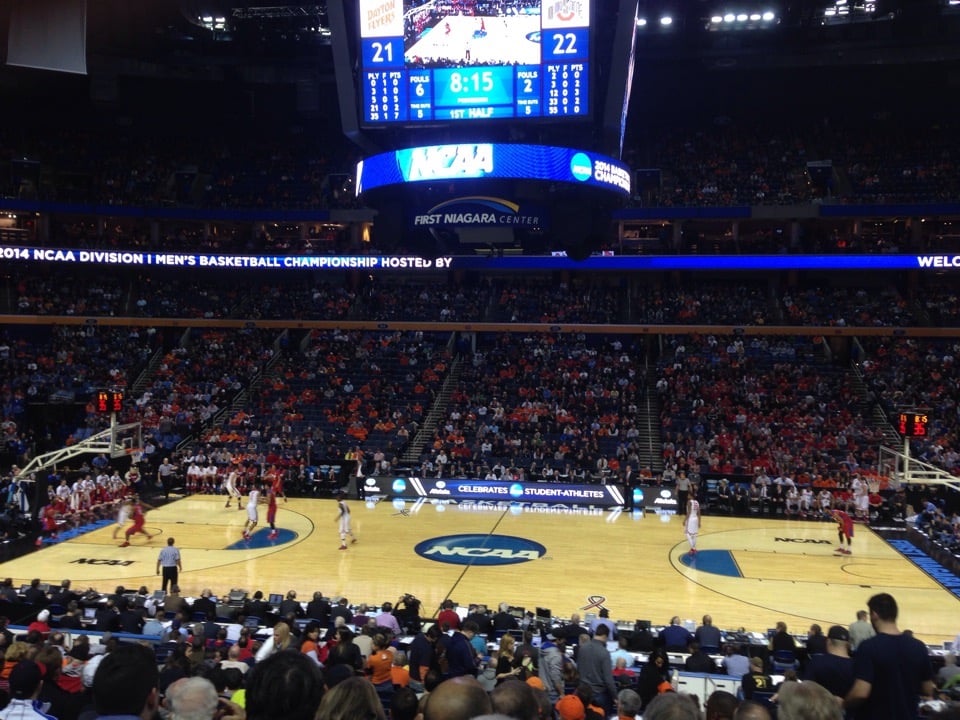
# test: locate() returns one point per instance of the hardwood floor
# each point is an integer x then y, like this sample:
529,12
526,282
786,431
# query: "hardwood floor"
748,573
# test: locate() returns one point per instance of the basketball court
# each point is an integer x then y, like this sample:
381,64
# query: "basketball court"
748,573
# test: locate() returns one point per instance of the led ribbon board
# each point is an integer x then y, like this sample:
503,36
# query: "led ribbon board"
494,161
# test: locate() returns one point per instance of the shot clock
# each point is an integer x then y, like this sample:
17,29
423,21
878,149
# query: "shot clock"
912,424
108,401
439,61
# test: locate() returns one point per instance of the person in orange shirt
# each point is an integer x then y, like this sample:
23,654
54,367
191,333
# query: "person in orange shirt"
379,668
310,646
399,673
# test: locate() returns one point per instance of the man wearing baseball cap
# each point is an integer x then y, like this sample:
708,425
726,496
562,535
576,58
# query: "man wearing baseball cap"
756,679
570,707
834,668
26,678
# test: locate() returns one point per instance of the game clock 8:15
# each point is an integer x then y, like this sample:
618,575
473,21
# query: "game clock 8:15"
467,87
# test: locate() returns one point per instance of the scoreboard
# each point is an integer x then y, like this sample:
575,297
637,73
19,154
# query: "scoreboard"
445,61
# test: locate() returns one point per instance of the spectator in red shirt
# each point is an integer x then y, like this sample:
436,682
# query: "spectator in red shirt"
448,618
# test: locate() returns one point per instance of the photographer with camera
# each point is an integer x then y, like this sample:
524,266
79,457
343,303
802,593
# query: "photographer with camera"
407,613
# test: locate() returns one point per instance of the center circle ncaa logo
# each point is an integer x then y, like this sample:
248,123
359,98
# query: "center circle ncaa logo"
479,549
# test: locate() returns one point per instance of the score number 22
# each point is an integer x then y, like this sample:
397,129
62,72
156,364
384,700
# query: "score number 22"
564,44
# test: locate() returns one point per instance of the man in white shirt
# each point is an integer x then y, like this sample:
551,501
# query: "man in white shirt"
233,660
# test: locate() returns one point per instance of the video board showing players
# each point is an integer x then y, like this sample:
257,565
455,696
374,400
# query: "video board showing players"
452,60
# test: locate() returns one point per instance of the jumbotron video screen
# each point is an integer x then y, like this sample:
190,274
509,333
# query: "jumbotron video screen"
429,61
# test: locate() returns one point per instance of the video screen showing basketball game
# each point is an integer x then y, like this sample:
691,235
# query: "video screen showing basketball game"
428,60
468,33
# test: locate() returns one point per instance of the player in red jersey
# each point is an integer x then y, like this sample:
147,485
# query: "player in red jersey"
844,531
48,520
272,513
139,520
276,482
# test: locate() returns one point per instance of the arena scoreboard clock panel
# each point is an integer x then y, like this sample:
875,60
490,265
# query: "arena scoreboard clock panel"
451,60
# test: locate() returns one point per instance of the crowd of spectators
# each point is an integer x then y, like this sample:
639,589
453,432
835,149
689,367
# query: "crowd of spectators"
542,408
339,390
874,160
327,659
918,374
240,168
563,406
886,162
734,404
941,303
716,302
537,299
90,232
195,380
546,300
66,364
729,165
392,300
879,307
736,162
939,523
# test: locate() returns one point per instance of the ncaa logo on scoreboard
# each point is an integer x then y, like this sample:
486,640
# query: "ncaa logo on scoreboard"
580,167
480,549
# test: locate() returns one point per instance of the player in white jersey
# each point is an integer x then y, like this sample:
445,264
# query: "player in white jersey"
76,494
208,478
343,520
691,524
193,477
123,516
806,501
793,501
63,492
230,487
253,514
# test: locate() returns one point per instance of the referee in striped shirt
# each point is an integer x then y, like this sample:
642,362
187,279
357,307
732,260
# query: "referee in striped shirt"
169,561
